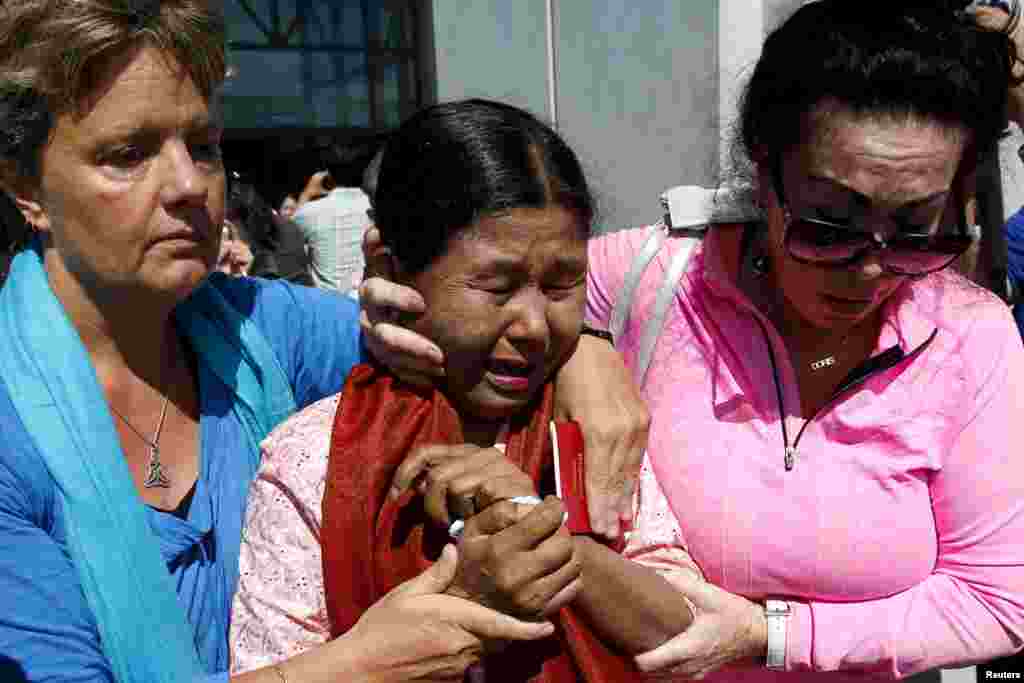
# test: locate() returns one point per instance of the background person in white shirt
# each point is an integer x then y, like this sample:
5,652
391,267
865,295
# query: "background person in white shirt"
333,225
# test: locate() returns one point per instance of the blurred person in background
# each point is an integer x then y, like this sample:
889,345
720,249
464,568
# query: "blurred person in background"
277,244
249,219
288,206
333,224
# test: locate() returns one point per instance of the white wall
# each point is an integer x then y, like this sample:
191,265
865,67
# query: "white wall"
777,11
636,92
741,25
638,99
492,48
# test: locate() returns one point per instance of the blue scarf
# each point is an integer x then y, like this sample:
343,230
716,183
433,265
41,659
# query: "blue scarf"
142,627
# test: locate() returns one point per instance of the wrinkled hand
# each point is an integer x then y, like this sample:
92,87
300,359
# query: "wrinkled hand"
384,306
518,559
727,628
595,389
414,632
376,255
514,558
459,481
411,356
995,19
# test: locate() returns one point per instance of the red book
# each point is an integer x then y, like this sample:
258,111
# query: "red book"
570,485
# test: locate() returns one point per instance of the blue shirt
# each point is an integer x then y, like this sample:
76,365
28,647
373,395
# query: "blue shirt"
1015,259
47,632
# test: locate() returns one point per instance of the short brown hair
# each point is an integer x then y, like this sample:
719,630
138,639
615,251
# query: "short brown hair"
50,48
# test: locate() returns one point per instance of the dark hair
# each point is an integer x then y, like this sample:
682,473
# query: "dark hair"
347,162
251,213
257,227
451,164
371,173
14,231
919,58
50,51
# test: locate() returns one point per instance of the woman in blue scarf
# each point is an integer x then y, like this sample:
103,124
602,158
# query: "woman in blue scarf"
135,386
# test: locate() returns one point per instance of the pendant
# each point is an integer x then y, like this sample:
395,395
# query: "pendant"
790,458
826,362
156,478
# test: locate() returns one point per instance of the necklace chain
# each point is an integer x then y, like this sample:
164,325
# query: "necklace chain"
155,475
759,269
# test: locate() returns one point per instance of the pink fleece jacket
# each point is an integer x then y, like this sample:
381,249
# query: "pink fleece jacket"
898,537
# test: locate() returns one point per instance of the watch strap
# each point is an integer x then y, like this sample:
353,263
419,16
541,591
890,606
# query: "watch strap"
600,334
777,617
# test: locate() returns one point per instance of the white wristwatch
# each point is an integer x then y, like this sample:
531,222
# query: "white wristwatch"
776,614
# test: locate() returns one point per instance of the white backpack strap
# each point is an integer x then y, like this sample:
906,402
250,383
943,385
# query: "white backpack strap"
690,207
620,313
656,322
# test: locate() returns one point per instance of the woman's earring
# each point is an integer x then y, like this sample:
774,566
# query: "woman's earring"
759,265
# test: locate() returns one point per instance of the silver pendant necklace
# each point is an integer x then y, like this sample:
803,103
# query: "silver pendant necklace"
155,475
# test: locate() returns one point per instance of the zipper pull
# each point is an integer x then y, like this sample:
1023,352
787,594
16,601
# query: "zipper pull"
790,459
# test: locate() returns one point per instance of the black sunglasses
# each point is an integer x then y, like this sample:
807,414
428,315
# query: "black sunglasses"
827,244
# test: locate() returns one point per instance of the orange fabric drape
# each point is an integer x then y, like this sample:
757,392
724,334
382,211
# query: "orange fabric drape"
372,543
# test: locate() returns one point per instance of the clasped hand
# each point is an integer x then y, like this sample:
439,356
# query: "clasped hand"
727,628
518,559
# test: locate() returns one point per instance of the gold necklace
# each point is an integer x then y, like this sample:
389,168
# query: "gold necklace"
759,269
822,363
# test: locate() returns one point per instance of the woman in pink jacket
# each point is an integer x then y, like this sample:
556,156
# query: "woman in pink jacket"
833,429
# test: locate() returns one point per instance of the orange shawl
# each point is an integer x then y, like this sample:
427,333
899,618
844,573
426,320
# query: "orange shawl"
372,543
